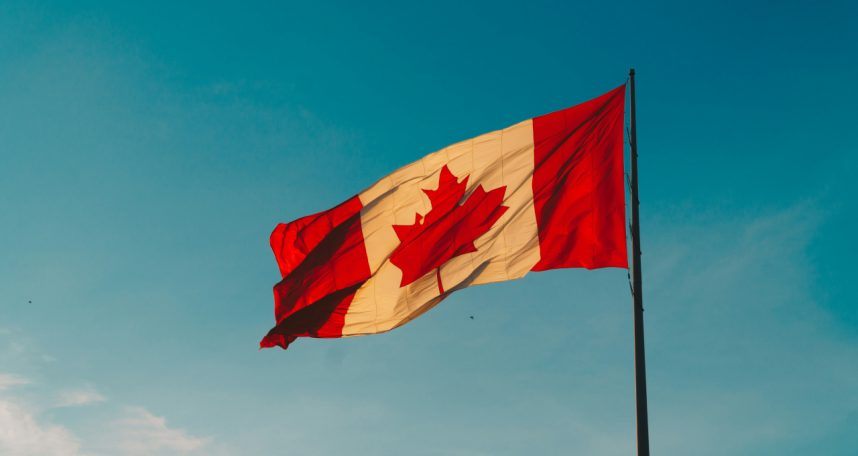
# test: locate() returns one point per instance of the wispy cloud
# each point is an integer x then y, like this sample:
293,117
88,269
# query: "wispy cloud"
29,428
22,434
26,432
141,432
9,380
73,398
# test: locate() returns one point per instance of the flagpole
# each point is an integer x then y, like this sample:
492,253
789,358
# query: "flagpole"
637,291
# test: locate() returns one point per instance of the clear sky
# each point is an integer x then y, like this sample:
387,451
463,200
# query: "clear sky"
147,151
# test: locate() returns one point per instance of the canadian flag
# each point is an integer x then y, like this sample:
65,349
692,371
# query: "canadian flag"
542,194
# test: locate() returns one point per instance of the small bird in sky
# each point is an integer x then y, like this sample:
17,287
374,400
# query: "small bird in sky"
472,317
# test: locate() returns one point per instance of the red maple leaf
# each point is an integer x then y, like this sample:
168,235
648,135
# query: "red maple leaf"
448,229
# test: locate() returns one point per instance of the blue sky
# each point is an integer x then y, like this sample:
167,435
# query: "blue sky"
146,152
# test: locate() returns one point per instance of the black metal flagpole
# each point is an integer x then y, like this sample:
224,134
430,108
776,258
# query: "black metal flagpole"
637,291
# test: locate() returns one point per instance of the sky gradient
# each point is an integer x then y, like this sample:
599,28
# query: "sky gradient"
146,152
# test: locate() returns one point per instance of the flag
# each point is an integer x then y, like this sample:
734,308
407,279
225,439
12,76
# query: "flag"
545,193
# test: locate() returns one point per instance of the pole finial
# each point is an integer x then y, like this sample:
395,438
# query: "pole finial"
631,71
